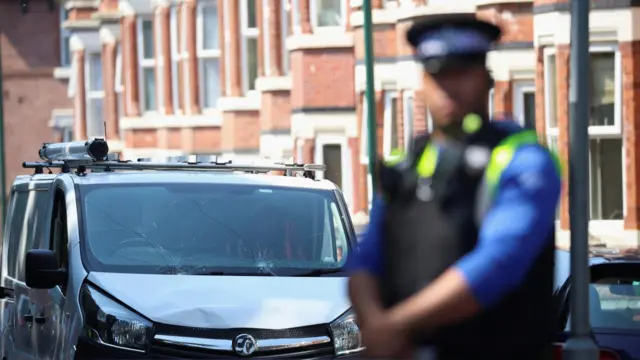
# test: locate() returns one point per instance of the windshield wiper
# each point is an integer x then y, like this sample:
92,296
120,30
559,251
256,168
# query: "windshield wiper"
319,272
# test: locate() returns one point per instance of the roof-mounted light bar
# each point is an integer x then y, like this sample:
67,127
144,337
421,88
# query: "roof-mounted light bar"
94,155
94,150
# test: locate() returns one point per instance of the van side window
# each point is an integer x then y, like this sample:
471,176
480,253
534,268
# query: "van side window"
16,228
36,215
59,238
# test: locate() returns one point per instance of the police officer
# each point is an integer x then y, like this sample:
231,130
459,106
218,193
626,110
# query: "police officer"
458,256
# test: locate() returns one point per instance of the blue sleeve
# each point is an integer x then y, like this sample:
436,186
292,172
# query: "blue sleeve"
368,255
515,230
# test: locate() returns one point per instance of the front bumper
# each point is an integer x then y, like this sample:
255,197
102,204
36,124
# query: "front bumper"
86,350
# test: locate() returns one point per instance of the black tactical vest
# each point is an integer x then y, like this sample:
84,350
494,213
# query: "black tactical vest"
428,230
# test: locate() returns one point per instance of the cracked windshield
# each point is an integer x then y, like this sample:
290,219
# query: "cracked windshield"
212,228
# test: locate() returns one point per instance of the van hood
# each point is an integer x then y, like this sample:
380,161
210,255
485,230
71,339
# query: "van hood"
229,301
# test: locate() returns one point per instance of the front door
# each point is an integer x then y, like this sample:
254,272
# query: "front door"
524,103
333,151
332,156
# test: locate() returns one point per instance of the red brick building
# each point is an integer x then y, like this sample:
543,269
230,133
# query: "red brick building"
31,95
285,78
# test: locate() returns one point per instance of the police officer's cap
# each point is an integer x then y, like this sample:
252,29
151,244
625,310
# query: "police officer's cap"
452,40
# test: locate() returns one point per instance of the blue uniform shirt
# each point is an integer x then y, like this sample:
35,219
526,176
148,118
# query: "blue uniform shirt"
512,235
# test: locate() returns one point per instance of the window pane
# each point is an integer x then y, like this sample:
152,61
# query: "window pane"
67,134
210,37
149,84
252,62
34,224
552,112
611,168
65,51
329,12
602,89
95,72
211,74
394,123
148,51
606,179
251,14
340,235
529,103
95,117
284,33
19,209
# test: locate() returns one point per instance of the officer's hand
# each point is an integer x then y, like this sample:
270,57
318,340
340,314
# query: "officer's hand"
384,340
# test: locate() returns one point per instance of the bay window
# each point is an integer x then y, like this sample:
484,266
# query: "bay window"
606,146
328,13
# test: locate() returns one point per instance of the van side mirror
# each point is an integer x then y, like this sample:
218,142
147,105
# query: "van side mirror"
42,271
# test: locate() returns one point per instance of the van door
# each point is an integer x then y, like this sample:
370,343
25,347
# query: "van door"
38,218
20,342
55,323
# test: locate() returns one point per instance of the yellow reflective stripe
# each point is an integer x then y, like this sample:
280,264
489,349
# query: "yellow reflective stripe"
395,157
428,161
502,155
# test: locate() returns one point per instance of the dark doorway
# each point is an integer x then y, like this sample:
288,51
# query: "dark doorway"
332,156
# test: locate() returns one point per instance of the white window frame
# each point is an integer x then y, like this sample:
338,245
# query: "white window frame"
408,113
176,57
429,119
299,151
390,4
520,88
65,34
614,130
491,107
285,19
548,115
146,64
294,8
205,54
72,88
92,94
246,33
347,169
118,83
595,132
314,16
364,133
266,46
387,123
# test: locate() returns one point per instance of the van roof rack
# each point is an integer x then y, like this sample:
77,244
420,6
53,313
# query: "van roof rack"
94,155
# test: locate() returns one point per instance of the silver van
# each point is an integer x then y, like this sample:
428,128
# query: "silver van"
136,260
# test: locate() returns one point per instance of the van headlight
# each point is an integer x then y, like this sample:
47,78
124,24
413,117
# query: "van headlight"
346,334
109,323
